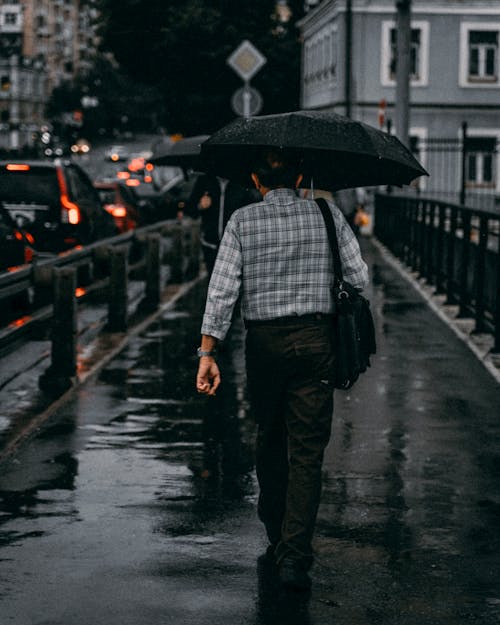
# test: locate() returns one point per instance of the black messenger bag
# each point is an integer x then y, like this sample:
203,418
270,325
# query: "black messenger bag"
354,330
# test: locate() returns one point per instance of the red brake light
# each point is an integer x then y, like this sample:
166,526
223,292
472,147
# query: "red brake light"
123,175
72,212
133,182
17,167
116,210
28,254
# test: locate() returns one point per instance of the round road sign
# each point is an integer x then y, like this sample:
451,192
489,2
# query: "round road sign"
246,101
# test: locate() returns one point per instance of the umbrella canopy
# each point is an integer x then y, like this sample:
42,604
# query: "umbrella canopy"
336,152
183,153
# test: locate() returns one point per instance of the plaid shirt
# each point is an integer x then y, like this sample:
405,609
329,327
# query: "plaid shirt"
276,252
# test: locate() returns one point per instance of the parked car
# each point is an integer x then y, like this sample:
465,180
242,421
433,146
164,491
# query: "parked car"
55,202
15,245
121,203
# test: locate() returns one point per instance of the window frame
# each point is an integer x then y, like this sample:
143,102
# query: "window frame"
464,79
486,133
385,76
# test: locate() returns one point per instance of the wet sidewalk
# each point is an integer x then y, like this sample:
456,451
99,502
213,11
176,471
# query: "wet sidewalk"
136,503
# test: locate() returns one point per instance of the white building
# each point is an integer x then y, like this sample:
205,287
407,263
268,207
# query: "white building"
454,76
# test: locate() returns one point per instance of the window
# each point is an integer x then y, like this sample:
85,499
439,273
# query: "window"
479,54
10,19
415,63
483,55
419,54
481,161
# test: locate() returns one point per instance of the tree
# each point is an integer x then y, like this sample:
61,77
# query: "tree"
181,47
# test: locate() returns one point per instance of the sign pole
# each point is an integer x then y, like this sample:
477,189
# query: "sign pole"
246,99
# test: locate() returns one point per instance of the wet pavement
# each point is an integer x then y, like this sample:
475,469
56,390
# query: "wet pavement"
135,504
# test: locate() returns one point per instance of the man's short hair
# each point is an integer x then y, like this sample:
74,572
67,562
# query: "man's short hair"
277,168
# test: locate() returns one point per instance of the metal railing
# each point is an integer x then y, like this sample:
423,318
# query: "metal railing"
47,295
455,248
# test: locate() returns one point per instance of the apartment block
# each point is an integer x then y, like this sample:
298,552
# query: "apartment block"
43,43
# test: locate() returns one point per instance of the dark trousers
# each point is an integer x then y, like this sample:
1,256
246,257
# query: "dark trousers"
288,374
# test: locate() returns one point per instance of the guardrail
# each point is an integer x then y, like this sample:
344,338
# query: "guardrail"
51,291
455,248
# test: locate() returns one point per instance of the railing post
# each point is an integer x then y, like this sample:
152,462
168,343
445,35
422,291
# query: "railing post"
480,270
440,251
450,258
194,251
177,263
118,289
464,264
152,298
58,377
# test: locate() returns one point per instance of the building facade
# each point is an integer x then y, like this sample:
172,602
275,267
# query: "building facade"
454,76
43,43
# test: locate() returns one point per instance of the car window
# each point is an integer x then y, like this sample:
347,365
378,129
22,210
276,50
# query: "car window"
80,188
35,185
6,224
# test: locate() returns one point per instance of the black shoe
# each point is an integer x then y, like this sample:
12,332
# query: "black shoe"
293,574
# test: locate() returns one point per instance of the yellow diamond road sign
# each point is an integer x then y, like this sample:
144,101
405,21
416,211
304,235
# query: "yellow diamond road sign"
246,60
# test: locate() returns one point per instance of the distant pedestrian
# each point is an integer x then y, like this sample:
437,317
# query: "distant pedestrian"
275,253
352,204
215,200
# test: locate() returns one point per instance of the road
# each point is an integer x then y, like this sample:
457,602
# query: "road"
135,505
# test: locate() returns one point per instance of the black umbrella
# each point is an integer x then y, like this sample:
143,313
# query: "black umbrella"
336,152
184,153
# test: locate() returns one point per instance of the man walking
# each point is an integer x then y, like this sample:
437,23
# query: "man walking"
276,255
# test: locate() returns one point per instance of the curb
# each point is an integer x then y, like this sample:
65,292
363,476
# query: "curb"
118,344
479,344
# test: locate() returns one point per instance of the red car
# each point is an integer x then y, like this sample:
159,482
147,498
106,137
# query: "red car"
119,201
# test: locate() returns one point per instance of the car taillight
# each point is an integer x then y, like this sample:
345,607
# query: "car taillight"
116,210
70,213
28,254
17,167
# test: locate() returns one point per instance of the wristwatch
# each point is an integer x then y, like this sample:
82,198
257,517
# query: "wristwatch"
200,352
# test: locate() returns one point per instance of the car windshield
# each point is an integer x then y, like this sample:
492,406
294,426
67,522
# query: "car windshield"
36,185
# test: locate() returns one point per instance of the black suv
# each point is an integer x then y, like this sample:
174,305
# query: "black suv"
55,202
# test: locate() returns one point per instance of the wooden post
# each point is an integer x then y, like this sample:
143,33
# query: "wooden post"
177,262
194,251
118,290
152,293
58,377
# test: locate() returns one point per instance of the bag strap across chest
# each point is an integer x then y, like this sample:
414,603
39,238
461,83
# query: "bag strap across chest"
332,237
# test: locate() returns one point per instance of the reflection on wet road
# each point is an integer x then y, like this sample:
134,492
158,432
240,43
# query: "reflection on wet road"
136,504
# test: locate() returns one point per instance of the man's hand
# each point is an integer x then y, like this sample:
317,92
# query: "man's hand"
208,378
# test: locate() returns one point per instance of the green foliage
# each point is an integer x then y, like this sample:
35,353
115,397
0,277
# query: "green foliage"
181,47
